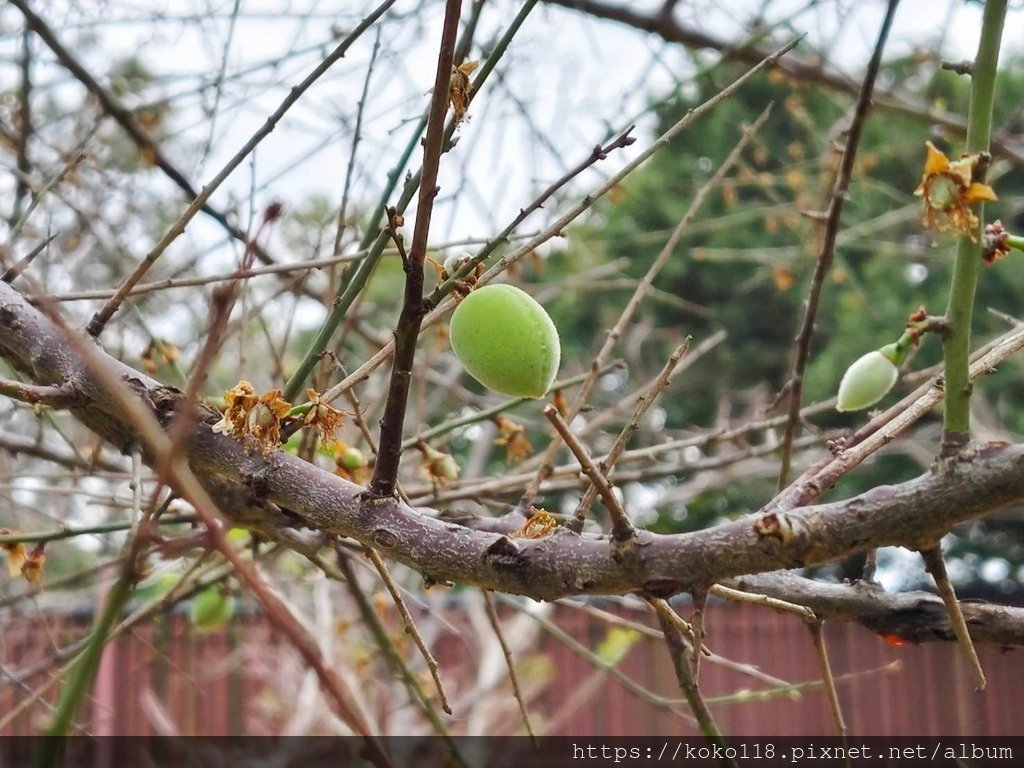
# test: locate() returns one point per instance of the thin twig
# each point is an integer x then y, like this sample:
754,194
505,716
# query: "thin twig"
622,528
936,566
740,596
647,399
11,273
192,282
410,625
827,678
24,166
88,530
834,212
38,394
492,616
357,135
677,650
385,470
639,294
794,690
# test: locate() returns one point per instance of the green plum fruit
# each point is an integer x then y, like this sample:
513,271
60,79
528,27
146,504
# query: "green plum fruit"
506,341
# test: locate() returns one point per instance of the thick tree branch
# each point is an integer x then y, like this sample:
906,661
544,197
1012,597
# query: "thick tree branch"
915,617
556,566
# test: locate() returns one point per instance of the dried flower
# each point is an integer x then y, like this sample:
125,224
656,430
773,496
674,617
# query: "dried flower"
949,191
32,568
240,399
16,554
460,89
247,415
540,524
325,418
513,437
265,419
439,468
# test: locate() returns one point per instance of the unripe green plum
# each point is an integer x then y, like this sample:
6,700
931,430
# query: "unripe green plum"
211,609
868,380
506,341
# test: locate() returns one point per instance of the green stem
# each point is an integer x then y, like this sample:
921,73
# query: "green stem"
69,533
1015,241
83,674
957,418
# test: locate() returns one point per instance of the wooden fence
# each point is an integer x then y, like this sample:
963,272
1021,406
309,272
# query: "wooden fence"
216,684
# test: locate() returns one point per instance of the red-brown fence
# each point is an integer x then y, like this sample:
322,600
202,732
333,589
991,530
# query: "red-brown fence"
216,684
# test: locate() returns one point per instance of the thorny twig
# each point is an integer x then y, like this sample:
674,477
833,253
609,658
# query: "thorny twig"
622,528
641,291
410,625
492,617
385,470
794,387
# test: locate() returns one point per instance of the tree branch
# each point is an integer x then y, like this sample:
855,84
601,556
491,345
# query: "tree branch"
834,212
385,470
556,566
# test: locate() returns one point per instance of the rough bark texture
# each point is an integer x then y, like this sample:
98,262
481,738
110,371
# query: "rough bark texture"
279,492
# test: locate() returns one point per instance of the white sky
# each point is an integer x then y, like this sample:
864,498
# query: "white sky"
567,82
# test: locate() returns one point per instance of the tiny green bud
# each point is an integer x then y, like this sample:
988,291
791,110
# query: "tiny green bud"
869,379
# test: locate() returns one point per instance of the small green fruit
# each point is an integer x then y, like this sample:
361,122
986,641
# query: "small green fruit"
506,341
867,381
211,609
352,458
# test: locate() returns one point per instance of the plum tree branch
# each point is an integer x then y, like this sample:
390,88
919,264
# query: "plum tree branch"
833,214
559,565
389,454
